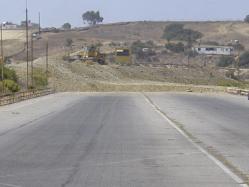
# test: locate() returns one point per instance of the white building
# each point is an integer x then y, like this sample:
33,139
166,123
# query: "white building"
9,25
213,50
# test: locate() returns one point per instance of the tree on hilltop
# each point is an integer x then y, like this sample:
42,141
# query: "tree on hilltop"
92,17
66,26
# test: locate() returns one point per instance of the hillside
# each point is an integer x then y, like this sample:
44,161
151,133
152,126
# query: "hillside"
78,76
221,32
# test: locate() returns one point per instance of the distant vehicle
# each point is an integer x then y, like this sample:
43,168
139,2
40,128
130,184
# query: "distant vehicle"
51,29
235,41
145,50
36,36
123,56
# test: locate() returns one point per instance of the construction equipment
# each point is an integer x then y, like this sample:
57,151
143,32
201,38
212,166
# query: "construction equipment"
89,54
123,56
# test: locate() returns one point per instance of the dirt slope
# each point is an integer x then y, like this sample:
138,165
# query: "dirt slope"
222,32
80,77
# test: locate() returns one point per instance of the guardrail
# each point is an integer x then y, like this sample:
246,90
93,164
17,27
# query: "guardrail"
21,96
237,91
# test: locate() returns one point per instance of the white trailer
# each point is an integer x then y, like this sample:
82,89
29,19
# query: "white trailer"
213,50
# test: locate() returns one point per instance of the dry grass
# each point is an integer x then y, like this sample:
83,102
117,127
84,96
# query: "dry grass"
82,77
66,76
137,87
222,32
14,35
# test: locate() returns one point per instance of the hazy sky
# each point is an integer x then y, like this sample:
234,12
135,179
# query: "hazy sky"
57,12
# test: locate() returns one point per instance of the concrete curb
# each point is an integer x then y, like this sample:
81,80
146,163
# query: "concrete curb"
237,91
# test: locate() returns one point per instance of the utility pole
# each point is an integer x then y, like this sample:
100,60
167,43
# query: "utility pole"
39,23
238,64
47,60
32,61
27,46
189,50
2,58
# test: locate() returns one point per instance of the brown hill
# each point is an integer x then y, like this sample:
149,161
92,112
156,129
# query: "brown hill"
79,76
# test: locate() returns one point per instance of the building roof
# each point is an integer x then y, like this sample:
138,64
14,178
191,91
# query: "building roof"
212,46
8,23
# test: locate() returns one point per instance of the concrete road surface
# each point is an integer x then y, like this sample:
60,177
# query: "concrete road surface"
122,140
219,122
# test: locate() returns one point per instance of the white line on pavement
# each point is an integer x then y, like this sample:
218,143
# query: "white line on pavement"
233,175
9,185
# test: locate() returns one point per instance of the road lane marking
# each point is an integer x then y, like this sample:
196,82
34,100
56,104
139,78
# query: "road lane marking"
9,185
227,170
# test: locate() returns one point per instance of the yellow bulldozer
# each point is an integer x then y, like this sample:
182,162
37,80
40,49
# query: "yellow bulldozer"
92,54
88,55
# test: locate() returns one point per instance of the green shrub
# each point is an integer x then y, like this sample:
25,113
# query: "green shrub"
176,31
190,53
244,59
137,49
176,48
67,26
99,44
246,19
1,86
10,80
172,31
11,85
40,79
238,47
9,74
113,44
211,43
225,61
231,83
137,46
118,44
147,56
69,42
230,74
